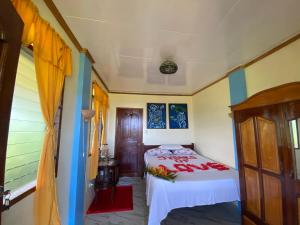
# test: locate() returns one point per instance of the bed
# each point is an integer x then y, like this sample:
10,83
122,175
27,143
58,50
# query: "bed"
199,181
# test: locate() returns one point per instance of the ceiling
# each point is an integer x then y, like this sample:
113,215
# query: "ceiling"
206,38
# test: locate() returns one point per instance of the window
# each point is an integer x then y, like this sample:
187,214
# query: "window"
27,127
295,133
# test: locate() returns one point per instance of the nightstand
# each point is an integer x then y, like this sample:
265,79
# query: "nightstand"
108,175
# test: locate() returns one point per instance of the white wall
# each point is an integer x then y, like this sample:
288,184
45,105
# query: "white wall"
212,124
279,68
20,214
150,136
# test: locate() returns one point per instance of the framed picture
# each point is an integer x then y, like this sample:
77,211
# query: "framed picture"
178,116
156,116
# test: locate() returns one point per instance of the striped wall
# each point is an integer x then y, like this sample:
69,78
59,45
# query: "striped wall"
26,129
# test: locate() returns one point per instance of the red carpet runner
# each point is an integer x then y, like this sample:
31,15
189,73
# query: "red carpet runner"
103,203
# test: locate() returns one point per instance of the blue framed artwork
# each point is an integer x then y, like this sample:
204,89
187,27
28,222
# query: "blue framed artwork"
178,116
156,116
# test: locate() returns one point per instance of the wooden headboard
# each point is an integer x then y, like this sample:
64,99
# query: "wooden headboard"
147,147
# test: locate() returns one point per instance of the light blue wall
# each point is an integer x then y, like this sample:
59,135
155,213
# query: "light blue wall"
79,148
238,93
238,88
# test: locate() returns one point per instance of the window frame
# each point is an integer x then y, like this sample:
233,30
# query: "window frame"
24,194
91,123
60,110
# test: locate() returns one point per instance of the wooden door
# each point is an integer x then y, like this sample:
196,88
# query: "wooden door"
292,139
129,137
11,27
262,177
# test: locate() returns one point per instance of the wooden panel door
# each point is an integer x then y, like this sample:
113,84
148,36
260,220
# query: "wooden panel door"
129,137
253,193
259,141
248,142
11,27
272,190
268,145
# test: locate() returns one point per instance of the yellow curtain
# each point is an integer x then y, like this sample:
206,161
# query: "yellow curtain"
29,14
100,105
104,114
95,144
53,60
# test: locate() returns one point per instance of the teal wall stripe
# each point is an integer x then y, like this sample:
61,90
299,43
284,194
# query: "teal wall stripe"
79,149
238,88
238,93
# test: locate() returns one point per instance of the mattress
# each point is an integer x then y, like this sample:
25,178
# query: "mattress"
199,181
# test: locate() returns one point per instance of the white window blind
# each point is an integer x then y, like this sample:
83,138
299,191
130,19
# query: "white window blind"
26,130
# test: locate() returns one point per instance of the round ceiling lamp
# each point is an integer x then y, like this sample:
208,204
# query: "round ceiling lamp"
168,67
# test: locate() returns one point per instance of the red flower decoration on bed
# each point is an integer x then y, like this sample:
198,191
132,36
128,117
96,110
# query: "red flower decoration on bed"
162,172
203,166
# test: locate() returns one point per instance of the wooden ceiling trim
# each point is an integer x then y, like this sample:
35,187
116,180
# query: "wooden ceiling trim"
223,77
100,78
88,55
63,23
255,60
52,7
72,37
273,50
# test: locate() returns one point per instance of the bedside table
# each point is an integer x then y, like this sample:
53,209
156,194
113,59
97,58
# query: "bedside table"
108,175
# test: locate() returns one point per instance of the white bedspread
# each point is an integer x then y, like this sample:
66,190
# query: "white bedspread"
203,186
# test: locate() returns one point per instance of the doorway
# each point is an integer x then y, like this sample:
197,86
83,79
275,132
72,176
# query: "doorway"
128,141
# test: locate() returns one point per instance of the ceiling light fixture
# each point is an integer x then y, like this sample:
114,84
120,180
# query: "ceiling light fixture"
168,67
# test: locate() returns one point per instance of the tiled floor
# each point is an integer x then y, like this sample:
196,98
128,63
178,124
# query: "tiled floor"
220,214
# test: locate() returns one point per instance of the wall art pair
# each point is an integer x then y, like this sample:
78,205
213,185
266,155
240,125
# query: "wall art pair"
156,116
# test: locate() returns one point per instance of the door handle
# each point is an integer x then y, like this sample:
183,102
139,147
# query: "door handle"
2,35
5,196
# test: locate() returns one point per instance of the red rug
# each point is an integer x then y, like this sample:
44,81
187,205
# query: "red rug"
103,203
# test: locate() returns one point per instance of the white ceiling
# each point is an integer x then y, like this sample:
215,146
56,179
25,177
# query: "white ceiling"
130,38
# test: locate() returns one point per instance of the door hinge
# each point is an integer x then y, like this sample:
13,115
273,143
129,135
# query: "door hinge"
5,195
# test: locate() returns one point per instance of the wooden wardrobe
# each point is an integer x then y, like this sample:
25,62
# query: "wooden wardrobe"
267,135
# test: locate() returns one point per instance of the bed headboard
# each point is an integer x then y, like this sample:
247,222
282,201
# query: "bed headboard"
147,147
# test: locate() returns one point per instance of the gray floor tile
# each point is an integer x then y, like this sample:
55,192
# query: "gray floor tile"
220,214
